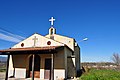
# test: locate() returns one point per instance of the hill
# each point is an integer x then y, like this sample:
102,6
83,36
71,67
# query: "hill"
3,59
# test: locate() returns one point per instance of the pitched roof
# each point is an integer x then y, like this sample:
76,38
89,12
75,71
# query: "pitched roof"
45,48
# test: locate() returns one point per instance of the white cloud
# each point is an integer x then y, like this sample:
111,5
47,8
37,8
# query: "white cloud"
6,35
10,34
9,38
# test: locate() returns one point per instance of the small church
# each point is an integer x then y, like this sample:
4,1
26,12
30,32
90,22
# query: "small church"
50,57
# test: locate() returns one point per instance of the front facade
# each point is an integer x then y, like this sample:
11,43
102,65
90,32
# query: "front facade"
51,57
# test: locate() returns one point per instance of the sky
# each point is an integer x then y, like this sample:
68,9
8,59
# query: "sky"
98,20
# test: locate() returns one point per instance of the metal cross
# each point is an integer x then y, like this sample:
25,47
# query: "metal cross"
52,21
35,39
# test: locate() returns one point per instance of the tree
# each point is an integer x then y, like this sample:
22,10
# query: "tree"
116,58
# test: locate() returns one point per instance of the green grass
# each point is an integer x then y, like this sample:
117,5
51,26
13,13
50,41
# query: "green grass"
94,74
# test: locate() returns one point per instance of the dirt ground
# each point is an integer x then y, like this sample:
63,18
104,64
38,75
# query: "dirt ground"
2,75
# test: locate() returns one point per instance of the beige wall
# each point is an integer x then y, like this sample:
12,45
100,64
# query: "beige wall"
59,60
20,61
63,39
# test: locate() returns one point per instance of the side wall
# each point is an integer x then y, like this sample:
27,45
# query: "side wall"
69,64
59,65
77,58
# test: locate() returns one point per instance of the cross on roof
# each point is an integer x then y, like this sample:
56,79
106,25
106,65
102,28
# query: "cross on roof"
35,39
52,21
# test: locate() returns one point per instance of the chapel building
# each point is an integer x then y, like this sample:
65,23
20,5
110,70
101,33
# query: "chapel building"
50,57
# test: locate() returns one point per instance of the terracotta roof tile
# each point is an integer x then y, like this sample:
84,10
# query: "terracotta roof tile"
31,49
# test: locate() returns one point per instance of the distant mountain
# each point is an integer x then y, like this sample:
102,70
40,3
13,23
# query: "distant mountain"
3,59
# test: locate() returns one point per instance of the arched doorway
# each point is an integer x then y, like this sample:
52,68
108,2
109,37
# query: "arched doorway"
36,66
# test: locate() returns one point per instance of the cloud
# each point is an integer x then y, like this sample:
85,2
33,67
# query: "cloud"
5,35
11,34
9,38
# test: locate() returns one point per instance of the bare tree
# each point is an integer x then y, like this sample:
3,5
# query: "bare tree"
116,58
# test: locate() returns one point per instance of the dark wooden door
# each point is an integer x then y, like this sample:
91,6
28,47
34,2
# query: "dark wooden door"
36,66
47,73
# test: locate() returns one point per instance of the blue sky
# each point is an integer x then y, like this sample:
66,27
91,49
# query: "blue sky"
99,20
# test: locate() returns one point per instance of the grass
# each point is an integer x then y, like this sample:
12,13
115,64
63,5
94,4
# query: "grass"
94,74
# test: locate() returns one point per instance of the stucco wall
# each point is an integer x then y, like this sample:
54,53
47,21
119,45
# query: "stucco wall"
19,64
69,63
20,61
70,68
77,59
59,60
63,39
59,65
